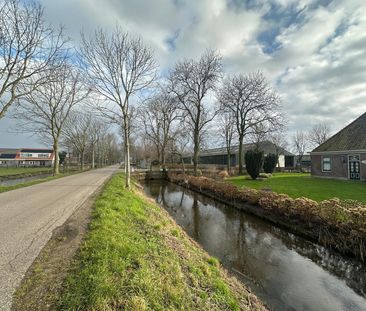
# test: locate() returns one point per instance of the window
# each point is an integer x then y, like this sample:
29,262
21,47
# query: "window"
327,164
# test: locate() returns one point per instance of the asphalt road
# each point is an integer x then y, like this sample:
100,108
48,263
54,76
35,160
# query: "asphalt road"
29,215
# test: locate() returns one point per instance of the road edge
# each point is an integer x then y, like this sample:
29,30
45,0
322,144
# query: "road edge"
42,283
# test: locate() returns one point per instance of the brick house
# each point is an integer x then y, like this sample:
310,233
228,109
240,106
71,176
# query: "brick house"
26,157
343,156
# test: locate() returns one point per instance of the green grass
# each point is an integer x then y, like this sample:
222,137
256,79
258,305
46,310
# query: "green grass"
36,181
136,258
9,171
303,185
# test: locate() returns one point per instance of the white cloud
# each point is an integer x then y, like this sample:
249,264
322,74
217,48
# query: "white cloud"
319,66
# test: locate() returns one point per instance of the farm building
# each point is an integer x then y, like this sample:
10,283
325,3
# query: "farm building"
343,156
26,157
218,156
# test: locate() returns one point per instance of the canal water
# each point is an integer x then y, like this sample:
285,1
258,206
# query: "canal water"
287,272
15,181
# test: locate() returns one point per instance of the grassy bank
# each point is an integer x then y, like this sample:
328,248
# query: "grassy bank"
136,258
36,181
14,171
335,223
30,183
303,185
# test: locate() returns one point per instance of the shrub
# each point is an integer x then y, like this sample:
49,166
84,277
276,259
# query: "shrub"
254,162
223,174
270,162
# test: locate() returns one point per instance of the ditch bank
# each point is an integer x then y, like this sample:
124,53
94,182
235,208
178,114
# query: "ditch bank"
337,224
25,175
135,257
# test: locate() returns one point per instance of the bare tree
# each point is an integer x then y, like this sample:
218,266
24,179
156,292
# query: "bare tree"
159,118
180,145
28,48
120,67
227,133
318,134
96,130
259,133
192,81
253,103
300,143
76,133
45,110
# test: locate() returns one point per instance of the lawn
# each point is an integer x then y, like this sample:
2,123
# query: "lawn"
303,185
7,171
135,257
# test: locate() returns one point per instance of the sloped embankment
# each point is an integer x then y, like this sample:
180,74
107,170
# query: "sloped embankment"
335,223
135,257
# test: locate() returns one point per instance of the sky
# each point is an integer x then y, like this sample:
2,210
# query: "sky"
312,52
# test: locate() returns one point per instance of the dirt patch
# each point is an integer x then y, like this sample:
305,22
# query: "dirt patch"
42,284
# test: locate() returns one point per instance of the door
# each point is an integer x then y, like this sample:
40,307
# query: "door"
354,167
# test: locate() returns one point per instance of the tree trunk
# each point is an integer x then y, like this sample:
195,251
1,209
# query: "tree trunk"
82,160
127,151
56,164
241,155
158,154
93,157
163,159
228,161
196,153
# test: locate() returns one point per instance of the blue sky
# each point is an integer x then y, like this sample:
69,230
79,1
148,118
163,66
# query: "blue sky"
313,52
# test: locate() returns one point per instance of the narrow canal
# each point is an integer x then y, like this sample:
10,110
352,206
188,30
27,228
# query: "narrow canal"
15,181
287,272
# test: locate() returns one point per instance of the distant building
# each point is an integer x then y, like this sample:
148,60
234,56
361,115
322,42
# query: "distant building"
342,156
218,156
304,163
26,157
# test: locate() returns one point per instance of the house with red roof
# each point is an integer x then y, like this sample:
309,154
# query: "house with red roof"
26,157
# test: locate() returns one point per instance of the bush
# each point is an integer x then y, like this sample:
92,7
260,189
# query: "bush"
254,162
223,174
270,162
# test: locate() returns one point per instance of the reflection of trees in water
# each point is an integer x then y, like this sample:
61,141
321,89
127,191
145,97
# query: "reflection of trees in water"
247,232
196,218
351,271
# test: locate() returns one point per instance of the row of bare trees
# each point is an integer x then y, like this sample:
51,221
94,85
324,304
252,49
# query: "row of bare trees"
196,95
113,76
302,140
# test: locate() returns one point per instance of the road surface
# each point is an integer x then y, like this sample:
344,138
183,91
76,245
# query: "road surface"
29,215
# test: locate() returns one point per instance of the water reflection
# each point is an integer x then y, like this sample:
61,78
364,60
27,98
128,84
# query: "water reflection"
286,271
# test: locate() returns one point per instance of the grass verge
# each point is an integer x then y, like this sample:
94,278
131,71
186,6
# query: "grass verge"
36,181
303,185
14,171
135,257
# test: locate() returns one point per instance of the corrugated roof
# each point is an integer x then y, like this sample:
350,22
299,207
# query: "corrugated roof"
266,146
352,137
